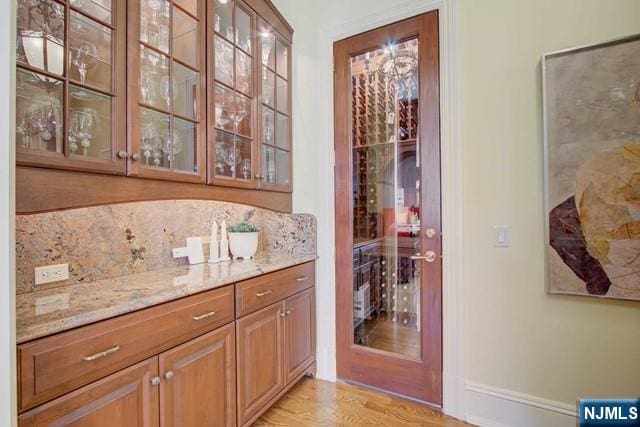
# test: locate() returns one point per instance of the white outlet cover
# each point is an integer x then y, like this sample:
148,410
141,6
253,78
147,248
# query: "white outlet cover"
51,273
502,236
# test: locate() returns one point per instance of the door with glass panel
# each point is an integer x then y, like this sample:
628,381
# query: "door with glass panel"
70,84
232,89
166,92
388,241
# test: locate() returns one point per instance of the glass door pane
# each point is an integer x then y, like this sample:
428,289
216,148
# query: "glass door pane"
386,200
233,78
170,93
66,99
274,105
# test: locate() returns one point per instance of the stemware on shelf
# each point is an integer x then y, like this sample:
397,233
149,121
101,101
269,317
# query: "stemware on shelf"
82,57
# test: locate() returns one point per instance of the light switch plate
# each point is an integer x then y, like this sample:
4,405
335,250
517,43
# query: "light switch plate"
52,273
501,236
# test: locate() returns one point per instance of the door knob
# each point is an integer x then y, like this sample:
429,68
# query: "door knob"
135,157
430,233
429,256
168,375
123,154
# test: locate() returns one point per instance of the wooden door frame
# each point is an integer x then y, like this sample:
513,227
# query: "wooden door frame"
419,379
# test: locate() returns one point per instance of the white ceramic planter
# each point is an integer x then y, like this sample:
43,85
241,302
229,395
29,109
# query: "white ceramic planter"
243,245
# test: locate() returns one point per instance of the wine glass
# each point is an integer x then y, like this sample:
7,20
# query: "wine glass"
82,127
232,158
246,168
85,55
171,144
237,116
22,128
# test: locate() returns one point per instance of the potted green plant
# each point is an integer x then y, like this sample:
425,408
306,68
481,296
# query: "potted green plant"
243,239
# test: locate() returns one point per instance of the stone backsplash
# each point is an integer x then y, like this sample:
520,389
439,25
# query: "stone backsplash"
116,240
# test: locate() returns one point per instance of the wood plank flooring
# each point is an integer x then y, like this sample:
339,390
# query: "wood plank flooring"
315,402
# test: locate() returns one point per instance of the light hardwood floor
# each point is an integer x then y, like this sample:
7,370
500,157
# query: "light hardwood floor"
321,403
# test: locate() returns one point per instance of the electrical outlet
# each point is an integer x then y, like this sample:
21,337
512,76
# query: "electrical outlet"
52,273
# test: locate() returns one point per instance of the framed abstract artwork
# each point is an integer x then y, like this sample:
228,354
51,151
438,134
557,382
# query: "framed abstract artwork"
591,108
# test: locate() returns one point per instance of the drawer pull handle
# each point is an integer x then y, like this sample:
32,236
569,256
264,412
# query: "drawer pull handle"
302,279
264,293
101,354
204,316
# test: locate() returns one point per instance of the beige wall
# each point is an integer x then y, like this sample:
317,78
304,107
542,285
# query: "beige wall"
518,337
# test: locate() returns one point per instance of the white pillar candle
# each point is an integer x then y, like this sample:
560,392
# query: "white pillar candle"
214,232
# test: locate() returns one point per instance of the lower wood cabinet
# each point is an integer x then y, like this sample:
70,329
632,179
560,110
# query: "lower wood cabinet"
186,362
276,346
299,334
260,360
199,382
126,398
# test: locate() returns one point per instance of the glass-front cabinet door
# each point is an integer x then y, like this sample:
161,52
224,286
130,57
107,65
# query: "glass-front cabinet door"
232,87
274,110
70,90
166,89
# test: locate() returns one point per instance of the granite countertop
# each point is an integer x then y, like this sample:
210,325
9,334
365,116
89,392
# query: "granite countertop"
50,311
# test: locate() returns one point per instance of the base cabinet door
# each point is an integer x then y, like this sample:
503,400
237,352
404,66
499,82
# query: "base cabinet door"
199,382
126,398
260,359
299,335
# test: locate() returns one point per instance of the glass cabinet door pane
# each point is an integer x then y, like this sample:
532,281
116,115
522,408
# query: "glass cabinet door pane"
282,167
223,61
40,35
185,38
183,150
89,52
282,95
225,103
190,6
241,116
89,132
268,49
154,134
269,164
282,132
243,30
282,57
268,126
155,86
185,91
243,149
225,154
154,23
99,9
39,112
244,75
223,18
268,87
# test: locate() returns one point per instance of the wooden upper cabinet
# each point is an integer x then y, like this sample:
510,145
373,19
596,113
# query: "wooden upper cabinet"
70,84
199,381
166,89
126,398
249,98
274,109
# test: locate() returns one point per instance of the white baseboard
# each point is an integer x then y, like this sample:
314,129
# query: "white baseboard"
489,406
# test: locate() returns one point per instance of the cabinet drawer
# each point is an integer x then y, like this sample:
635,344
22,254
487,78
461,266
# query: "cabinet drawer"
260,292
53,366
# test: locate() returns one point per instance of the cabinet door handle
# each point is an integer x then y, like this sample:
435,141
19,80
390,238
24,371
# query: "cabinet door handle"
101,354
168,375
264,293
284,313
204,316
135,157
155,381
123,154
302,278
